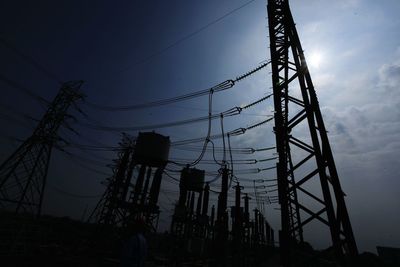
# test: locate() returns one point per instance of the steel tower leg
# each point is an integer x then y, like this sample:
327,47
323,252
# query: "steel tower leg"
111,208
23,174
288,66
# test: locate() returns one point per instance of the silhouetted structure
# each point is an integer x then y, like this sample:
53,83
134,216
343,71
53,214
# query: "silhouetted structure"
23,175
389,255
124,203
111,209
189,220
292,111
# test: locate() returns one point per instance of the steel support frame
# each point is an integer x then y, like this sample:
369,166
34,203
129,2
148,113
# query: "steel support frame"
116,209
23,175
288,66
111,209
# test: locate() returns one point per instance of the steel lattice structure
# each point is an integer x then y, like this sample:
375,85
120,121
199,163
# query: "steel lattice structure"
23,175
111,209
302,144
132,192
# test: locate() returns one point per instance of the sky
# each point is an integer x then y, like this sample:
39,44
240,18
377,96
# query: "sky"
138,51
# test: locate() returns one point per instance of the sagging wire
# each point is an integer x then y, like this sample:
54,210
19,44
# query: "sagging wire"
30,60
93,148
77,162
92,153
236,132
259,179
16,121
232,175
230,152
245,151
207,139
214,158
217,88
182,161
15,111
223,139
227,113
96,163
73,194
186,37
249,171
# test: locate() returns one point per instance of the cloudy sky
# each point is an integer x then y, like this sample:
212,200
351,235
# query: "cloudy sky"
138,51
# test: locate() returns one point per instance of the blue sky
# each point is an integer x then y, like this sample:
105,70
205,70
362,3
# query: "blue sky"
353,51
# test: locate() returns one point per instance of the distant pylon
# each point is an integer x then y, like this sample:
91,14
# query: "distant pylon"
23,175
112,207
302,144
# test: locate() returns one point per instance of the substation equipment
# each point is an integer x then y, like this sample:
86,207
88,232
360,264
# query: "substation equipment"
126,202
133,190
208,232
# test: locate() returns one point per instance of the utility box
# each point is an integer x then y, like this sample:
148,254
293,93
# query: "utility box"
152,149
192,179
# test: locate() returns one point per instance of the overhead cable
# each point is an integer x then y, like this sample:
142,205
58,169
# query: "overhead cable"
230,112
30,60
73,194
22,89
186,37
236,132
246,150
215,89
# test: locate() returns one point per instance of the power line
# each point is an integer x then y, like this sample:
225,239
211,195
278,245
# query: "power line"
30,60
217,88
220,149
22,88
220,87
57,189
236,132
11,119
78,162
93,148
230,112
185,38
238,161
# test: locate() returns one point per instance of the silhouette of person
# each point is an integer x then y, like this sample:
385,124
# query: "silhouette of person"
135,248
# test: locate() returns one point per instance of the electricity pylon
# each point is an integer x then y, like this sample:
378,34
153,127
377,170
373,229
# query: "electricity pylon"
112,207
302,144
23,175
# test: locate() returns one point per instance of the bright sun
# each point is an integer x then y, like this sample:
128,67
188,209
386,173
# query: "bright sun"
315,60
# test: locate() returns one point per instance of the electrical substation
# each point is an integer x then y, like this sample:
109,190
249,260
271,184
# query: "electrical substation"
220,211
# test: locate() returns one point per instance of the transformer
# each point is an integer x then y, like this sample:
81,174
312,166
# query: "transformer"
152,149
193,179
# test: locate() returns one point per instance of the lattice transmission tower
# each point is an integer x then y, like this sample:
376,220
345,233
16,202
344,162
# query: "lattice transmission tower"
306,168
132,192
112,207
23,175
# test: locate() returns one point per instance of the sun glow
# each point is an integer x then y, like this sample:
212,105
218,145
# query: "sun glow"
315,59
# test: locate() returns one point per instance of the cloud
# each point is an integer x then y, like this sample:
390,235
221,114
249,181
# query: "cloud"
348,3
389,75
323,80
362,117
